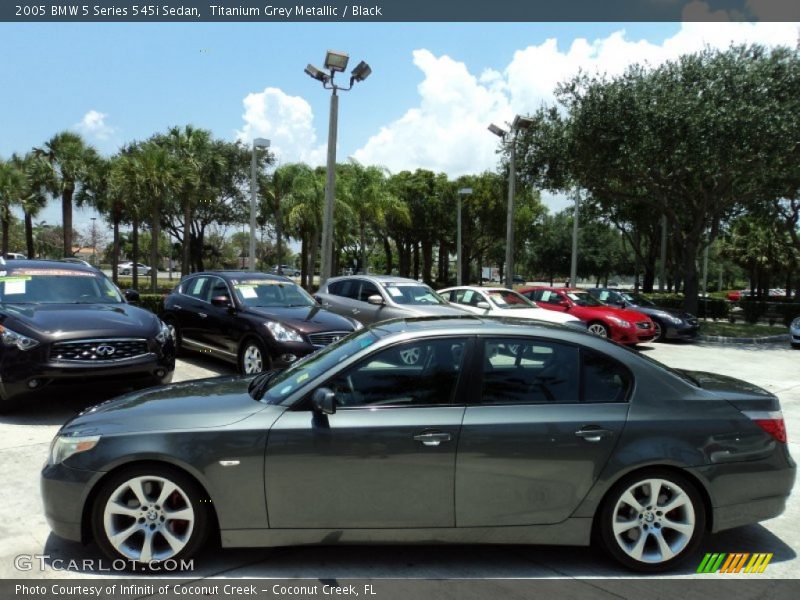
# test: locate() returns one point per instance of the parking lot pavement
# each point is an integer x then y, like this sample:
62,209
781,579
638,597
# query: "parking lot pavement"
24,438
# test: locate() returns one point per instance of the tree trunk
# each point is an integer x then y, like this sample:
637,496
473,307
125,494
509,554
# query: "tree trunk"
427,261
312,258
278,233
155,234
441,275
362,240
5,220
690,280
66,218
115,248
135,252
31,250
415,253
201,237
387,249
304,261
187,239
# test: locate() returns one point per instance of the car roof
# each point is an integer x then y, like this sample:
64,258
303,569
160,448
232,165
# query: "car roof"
378,278
476,288
245,275
43,263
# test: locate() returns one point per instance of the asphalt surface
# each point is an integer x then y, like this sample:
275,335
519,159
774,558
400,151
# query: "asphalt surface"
25,435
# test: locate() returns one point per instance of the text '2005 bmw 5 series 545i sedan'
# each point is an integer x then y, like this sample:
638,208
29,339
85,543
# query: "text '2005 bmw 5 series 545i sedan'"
459,429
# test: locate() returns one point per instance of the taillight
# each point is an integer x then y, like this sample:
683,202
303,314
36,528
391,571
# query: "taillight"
770,421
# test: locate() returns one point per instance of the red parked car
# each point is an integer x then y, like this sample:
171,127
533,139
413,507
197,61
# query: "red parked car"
621,325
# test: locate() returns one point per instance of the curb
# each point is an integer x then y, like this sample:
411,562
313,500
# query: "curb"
718,339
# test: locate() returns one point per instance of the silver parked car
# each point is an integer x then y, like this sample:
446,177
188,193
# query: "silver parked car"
794,332
373,298
464,430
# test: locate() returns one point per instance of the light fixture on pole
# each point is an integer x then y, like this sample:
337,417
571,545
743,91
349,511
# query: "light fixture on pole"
335,62
517,125
257,143
459,265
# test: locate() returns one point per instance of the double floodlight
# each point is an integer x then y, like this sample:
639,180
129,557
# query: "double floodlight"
497,130
521,123
336,62
317,74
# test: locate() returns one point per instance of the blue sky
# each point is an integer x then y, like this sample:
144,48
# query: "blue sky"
433,90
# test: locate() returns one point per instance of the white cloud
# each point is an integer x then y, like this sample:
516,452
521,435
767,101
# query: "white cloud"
447,132
287,121
94,126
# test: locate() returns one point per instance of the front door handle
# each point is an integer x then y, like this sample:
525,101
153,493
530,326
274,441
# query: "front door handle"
176,306
593,433
202,315
432,438
355,311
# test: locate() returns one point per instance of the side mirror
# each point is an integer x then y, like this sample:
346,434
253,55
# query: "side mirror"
221,301
483,305
375,299
324,401
564,304
131,295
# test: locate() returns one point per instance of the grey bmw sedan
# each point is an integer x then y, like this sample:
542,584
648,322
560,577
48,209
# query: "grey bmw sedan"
459,429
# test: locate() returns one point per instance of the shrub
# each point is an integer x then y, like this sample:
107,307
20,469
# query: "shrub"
152,302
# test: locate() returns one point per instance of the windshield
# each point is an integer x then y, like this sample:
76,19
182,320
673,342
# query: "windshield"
584,299
412,293
313,365
507,299
57,286
637,299
272,293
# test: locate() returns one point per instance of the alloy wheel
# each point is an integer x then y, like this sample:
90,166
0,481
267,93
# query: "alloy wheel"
598,329
658,331
148,518
252,359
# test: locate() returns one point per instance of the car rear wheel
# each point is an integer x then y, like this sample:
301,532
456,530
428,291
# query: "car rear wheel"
150,514
598,328
652,520
252,357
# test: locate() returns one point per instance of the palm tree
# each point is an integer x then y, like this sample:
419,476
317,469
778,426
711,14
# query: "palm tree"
12,188
275,194
304,217
40,180
70,158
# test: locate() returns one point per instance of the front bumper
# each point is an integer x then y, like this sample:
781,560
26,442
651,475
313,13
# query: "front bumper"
34,374
795,333
64,494
684,331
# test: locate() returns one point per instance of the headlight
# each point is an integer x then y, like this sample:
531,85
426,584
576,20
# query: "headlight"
796,323
283,334
64,446
12,338
165,333
672,319
618,321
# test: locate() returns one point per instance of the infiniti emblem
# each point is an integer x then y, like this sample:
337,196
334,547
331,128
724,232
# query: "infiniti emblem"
105,350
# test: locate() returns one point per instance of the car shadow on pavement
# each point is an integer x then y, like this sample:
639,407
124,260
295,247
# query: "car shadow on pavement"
417,561
51,410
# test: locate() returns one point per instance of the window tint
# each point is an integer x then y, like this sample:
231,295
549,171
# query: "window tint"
336,288
415,373
195,287
469,297
216,287
367,289
604,379
525,371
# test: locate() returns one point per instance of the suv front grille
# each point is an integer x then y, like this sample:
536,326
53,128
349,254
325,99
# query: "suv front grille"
98,350
323,339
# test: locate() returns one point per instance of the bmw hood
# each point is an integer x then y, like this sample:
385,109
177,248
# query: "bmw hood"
199,404
59,322
306,319
540,314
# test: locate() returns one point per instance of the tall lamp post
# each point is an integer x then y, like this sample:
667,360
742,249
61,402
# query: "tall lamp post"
517,125
459,264
257,143
335,62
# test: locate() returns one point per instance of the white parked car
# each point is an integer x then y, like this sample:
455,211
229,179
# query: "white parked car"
502,302
127,269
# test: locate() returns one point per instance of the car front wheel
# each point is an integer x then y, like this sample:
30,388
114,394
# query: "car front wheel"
252,357
599,328
150,514
651,521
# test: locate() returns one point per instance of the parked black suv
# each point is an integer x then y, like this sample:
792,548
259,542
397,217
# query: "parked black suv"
65,324
254,320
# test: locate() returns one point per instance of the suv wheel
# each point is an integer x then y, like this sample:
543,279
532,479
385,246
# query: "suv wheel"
252,357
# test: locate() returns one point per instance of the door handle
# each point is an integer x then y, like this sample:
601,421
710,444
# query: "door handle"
593,433
432,438
202,315
355,311
176,306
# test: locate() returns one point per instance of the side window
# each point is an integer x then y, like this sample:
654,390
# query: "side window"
554,298
367,289
604,379
527,371
605,296
196,287
216,287
419,373
336,288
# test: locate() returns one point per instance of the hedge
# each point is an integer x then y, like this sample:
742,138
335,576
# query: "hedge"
126,283
152,302
780,311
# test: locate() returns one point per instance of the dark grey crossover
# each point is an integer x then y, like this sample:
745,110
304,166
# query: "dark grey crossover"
374,298
65,326
466,430
669,324
254,320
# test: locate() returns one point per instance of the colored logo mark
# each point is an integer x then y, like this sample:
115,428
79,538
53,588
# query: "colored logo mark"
736,562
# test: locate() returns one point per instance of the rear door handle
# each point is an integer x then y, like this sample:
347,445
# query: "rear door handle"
432,438
593,433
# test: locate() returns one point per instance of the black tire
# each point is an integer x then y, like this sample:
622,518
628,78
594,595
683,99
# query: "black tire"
10,405
652,523
176,335
659,329
248,346
193,534
596,327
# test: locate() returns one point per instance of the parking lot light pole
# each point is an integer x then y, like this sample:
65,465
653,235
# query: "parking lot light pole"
459,264
335,62
257,143
517,125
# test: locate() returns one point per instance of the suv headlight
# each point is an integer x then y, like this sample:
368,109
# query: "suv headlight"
282,333
64,446
618,321
673,319
164,334
12,338
796,323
